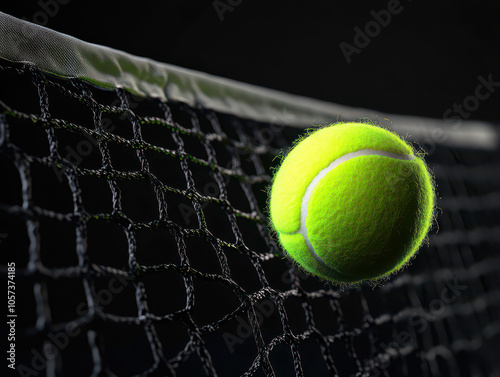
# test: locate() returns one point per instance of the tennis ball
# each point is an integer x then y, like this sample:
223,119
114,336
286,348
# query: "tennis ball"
352,202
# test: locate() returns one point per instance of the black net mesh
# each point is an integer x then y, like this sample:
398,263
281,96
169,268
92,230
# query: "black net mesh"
139,233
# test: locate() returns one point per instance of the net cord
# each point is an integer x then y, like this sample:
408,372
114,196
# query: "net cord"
107,68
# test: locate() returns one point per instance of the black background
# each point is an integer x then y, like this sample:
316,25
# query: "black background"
427,58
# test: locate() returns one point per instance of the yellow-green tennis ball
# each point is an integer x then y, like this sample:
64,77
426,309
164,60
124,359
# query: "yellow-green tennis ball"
352,202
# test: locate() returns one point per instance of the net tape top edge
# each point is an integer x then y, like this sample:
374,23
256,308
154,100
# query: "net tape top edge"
107,68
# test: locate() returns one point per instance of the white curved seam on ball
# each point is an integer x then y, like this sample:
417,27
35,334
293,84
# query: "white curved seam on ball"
322,174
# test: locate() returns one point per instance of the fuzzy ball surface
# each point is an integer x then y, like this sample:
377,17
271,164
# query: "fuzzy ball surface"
352,202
